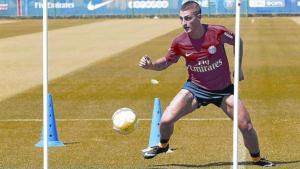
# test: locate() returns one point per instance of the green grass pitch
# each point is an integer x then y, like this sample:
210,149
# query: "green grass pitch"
271,92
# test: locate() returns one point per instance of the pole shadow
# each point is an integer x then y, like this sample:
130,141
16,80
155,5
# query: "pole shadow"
71,142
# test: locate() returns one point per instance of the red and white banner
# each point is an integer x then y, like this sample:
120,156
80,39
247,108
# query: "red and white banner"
19,7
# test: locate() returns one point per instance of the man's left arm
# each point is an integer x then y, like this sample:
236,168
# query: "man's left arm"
241,73
229,38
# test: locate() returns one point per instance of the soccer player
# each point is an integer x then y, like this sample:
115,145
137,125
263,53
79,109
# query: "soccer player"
202,47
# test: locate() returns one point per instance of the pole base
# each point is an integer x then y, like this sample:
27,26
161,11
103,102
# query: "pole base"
50,144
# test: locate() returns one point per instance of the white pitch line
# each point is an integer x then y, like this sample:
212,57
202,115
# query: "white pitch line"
108,119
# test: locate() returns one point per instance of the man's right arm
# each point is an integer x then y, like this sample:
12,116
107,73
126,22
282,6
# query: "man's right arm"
164,62
158,65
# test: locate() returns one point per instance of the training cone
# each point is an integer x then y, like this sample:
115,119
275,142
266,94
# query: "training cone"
52,131
156,116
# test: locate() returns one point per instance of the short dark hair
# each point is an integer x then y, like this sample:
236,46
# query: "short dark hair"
191,5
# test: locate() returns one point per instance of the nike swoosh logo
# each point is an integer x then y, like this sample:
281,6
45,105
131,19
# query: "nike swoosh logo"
92,7
188,54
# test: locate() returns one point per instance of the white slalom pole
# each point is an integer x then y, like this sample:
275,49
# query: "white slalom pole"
45,83
236,84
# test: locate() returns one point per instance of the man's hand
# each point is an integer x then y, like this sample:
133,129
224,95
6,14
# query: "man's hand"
146,62
241,75
157,65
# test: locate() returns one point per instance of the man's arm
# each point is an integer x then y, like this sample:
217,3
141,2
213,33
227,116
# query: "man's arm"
229,39
241,74
158,65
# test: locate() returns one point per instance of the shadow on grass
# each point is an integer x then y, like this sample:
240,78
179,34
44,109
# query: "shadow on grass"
215,164
70,143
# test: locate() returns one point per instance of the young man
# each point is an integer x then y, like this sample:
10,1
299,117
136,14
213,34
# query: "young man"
202,46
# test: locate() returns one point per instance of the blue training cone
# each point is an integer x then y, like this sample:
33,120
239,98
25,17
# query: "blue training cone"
156,116
52,131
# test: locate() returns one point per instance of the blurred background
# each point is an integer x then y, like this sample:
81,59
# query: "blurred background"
129,8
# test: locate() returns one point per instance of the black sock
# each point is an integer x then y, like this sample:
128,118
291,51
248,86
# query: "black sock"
164,141
254,155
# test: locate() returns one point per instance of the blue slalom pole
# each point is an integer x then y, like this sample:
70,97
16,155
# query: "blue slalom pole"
156,116
53,140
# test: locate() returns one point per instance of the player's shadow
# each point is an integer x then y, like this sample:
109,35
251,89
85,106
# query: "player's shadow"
215,164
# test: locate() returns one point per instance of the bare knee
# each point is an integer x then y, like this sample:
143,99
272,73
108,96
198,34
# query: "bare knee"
182,104
167,119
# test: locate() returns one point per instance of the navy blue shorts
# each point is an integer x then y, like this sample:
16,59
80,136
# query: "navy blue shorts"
205,97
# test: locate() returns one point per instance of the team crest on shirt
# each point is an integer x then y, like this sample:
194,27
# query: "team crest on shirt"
212,49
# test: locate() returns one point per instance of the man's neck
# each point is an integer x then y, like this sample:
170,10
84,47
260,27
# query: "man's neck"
198,33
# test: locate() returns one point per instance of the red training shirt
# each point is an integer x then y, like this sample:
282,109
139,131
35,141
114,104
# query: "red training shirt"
206,59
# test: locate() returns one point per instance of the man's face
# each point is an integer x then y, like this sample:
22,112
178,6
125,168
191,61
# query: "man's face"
189,20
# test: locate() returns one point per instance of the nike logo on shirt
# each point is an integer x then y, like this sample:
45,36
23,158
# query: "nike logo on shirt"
188,54
92,7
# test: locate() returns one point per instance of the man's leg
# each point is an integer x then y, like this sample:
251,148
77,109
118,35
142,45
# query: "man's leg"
246,128
182,104
244,123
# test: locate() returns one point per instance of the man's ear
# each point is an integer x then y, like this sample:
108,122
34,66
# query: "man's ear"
199,16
